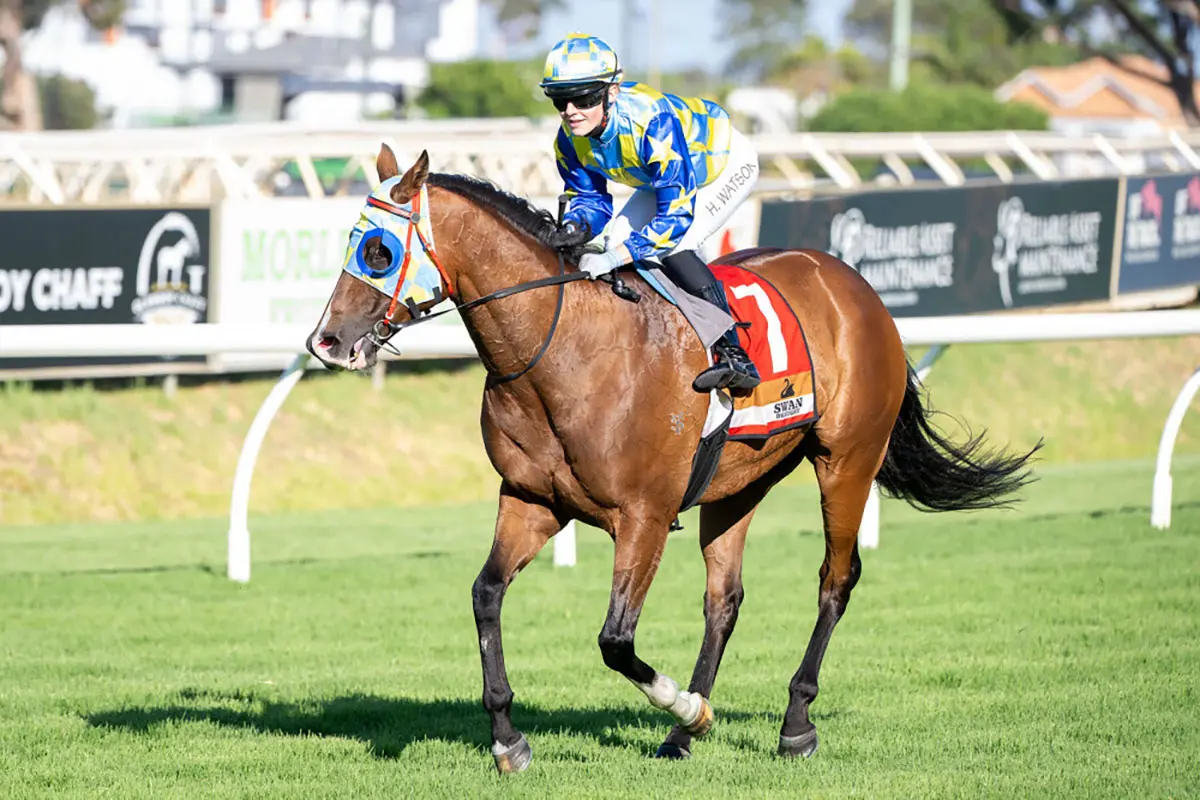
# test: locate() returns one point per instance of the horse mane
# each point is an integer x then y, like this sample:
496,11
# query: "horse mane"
517,211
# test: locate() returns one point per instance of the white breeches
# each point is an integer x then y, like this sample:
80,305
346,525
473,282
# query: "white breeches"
715,203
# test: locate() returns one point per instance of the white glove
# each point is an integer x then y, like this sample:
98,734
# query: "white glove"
597,264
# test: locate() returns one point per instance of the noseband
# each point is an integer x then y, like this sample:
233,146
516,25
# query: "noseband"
383,330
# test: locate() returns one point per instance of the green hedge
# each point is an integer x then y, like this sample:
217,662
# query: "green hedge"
484,89
926,107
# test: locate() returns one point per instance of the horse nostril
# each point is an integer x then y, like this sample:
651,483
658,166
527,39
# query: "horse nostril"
328,342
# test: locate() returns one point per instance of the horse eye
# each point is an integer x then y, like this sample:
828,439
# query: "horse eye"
377,254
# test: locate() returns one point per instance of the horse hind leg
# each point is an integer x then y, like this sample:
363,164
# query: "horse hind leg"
845,483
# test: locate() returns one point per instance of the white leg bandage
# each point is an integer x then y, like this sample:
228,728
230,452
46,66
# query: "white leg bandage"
664,693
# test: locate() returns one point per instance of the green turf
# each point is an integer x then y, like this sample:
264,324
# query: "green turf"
1052,651
88,454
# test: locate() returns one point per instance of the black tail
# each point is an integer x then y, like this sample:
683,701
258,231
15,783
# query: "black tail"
934,474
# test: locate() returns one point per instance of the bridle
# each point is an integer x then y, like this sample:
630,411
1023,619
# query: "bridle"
383,330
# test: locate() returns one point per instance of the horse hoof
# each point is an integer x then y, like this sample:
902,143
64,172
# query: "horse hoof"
673,752
704,722
514,758
805,744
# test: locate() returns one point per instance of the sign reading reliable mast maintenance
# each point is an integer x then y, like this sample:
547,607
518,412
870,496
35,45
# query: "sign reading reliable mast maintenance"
103,266
902,242
961,250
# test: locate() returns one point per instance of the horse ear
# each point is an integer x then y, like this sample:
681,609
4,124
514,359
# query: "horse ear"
412,181
385,163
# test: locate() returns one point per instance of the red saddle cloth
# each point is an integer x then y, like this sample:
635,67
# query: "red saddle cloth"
775,343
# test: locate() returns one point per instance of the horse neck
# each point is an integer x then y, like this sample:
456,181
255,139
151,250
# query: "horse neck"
483,254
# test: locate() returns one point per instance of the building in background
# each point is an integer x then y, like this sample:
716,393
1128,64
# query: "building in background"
1097,96
254,60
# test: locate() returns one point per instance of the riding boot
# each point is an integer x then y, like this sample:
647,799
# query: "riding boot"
732,369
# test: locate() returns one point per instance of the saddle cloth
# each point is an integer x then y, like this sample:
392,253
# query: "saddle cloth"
771,335
775,342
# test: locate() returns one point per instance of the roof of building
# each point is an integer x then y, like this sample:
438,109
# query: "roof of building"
300,54
1133,88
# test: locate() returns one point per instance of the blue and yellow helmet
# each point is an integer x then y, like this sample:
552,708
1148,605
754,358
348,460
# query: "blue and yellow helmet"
578,64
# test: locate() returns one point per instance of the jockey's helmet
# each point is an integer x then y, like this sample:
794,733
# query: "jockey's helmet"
579,65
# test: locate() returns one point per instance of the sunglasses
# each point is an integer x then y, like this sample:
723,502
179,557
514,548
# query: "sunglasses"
589,100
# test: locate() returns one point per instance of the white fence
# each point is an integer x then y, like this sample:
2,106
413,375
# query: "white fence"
82,341
213,339
203,164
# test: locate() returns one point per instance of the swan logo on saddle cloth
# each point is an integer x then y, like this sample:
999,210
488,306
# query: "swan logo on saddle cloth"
775,343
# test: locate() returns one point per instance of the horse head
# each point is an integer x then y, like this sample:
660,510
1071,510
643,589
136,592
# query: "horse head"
389,270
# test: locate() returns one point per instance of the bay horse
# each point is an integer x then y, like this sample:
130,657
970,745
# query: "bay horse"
589,414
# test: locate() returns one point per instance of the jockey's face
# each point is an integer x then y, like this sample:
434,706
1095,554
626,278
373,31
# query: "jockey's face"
584,120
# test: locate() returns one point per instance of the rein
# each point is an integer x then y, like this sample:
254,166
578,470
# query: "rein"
386,328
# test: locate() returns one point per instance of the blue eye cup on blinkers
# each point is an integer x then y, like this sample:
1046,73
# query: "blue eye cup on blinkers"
386,239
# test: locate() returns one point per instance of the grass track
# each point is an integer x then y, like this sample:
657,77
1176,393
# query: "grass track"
89,454
1049,652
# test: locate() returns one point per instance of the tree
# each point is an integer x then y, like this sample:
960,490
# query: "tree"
523,17
764,32
103,14
1163,30
484,89
925,107
66,104
815,67
19,103
18,91
957,41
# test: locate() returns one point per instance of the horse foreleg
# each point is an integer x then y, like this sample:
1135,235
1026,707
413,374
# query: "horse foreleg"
723,527
522,529
845,484
639,546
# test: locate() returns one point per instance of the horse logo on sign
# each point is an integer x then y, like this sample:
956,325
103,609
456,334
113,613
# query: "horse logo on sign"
170,282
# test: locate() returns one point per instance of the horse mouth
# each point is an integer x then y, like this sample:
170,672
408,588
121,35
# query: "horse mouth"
361,355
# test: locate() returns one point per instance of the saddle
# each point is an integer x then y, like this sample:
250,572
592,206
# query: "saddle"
771,335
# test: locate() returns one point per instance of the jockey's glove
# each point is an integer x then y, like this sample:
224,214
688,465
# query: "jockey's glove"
597,264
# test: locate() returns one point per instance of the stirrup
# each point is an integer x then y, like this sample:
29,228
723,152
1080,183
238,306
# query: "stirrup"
717,376
742,379
725,373
745,374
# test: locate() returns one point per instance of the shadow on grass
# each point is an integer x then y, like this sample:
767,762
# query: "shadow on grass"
219,570
389,725
146,570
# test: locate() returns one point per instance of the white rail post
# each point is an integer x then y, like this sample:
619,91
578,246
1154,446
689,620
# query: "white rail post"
931,357
868,528
1160,502
564,546
238,565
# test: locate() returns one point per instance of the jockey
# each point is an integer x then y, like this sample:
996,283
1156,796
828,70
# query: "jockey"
690,170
